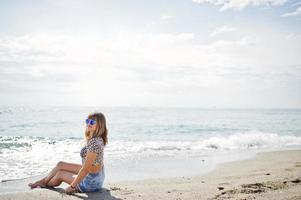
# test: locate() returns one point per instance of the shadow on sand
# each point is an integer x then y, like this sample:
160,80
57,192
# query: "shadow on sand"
104,194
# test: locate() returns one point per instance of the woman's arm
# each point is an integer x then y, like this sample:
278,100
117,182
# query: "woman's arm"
91,156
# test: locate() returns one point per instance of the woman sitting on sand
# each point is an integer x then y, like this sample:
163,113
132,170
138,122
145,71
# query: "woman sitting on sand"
89,176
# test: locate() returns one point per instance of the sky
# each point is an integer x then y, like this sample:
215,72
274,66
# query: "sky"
156,53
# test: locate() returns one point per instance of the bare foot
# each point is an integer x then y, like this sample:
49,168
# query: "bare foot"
40,184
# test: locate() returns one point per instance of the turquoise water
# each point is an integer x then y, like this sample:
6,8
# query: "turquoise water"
143,142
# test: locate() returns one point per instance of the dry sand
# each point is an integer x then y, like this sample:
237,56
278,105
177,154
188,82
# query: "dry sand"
271,175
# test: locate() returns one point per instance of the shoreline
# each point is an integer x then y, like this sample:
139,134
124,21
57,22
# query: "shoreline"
268,175
154,167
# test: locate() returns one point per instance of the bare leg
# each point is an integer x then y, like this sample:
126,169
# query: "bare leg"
64,166
61,176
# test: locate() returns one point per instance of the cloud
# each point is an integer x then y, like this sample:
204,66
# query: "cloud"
166,17
119,62
241,4
132,67
291,14
117,59
293,36
129,56
124,48
223,29
296,4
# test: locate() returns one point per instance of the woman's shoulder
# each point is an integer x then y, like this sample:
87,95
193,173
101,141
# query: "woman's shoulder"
95,141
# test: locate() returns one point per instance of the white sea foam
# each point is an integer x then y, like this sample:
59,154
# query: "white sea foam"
243,141
27,156
249,140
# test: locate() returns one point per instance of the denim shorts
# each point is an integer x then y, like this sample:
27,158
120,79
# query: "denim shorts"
92,182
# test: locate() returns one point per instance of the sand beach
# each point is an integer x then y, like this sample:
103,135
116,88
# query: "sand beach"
269,175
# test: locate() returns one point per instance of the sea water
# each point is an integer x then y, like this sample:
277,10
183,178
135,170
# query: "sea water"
143,142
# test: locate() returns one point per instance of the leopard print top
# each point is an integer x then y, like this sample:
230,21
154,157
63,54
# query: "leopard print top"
95,145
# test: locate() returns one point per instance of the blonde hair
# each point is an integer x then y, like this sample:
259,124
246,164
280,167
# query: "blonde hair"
101,127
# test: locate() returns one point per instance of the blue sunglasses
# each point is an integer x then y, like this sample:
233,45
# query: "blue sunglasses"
90,122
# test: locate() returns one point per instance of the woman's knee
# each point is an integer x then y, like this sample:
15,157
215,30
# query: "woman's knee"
60,174
60,165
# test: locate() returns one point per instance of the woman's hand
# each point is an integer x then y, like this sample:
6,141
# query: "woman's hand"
70,190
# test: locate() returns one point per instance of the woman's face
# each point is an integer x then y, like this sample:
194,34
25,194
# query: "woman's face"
91,125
